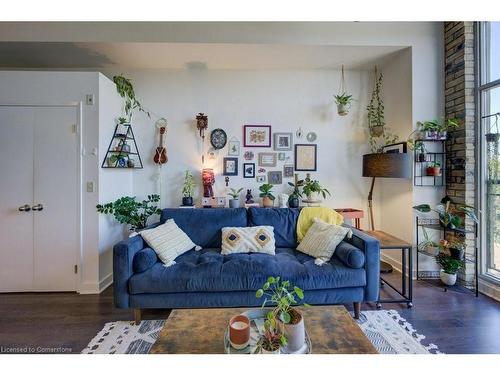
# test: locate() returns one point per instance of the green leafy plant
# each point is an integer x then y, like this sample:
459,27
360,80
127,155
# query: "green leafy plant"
434,164
437,125
127,210
343,99
235,193
448,264
266,190
449,212
296,188
376,107
427,243
313,186
126,90
189,185
272,338
280,294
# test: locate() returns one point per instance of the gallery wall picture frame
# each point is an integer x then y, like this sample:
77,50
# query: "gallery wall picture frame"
267,159
306,157
248,170
233,148
230,167
260,179
257,135
275,177
281,156
283,141
288,171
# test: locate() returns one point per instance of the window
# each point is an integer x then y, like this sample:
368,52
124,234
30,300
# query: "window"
489,115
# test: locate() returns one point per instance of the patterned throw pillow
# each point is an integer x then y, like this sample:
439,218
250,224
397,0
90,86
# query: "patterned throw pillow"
322,239
168,241
259,239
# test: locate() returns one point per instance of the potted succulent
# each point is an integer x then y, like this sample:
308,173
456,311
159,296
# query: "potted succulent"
283,296
311,188
234,202
188,189
343,102
293,199
266,194
449,268
449,212
127,210
433,169
272,339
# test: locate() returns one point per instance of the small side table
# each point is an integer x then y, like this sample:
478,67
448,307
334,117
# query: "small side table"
352,214
389,242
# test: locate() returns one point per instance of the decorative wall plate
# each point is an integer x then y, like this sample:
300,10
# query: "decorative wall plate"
218,138
311,136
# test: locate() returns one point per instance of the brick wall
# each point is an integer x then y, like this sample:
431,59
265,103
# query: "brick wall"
459,103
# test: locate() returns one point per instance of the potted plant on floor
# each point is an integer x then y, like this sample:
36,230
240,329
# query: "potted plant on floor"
449,268
293,199
266,193
312,188
188,189
272,340
127,210
433,169
280,294
234,202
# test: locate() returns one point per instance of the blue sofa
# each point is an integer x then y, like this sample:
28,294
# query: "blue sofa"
206,278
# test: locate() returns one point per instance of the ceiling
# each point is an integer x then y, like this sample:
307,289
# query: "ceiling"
161,56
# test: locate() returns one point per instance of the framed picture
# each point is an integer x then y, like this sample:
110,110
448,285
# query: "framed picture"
305,157
257,135
281,156
283,141
261,179
267,159
275,177
398,148
230,167
288,171
248,170
233,148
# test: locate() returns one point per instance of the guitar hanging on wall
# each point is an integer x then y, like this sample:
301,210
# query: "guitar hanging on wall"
161,151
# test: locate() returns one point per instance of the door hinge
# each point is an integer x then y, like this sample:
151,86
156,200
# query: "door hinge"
76,268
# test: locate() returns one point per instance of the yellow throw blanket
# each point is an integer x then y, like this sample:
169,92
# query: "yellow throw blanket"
307,215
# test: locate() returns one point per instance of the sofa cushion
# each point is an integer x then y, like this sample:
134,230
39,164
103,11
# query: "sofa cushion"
350,255
248,240
203,225
209,271
144,259
284,221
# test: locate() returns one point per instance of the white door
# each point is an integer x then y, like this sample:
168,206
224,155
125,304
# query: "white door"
47,174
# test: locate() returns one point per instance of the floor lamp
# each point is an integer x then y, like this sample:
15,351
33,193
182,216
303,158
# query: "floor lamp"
384,165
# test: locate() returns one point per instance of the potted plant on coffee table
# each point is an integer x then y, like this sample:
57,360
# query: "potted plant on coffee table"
282,295
234,202
188,189
272,339
449,268
266,193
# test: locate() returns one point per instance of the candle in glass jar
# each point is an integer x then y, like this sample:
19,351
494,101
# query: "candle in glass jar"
239,332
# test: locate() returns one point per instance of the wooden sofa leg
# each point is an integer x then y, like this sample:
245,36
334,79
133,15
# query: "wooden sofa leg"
357,309
137,316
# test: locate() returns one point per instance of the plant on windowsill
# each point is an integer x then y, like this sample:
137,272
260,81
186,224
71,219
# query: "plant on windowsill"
188,189
234,202
449,268
312,188
127,210
266,193
281,295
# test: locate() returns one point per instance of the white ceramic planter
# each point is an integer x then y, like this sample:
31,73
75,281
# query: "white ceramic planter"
343,109
295,335
313,196
264,351
447,278
234,203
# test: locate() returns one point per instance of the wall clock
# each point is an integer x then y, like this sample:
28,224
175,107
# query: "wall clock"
218,138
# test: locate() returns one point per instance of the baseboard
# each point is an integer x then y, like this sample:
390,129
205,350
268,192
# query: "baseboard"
96,288
105,282
396,264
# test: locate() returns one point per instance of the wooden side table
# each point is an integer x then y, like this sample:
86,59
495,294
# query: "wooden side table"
353,214
390,242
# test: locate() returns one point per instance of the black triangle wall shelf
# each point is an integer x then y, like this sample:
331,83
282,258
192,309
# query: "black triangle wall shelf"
122,150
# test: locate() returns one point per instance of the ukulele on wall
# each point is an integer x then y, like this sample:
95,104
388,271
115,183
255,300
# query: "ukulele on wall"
161,151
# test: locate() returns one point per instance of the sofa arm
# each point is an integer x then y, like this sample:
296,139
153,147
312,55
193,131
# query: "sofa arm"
371,247
123,256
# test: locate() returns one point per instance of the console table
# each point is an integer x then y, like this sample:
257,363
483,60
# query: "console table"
390,242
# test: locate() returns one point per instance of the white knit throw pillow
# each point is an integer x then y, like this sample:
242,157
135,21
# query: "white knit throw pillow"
258,239
168,241
322,239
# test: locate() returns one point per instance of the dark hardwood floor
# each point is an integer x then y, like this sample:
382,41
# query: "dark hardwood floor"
456,322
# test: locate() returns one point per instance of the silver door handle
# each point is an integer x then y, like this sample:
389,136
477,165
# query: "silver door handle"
25,208
38,207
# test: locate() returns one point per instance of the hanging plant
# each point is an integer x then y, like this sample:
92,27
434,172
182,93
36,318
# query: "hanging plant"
493,136
126,90
342,99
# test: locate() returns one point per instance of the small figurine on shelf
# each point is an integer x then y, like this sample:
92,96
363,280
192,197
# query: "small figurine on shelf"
249,197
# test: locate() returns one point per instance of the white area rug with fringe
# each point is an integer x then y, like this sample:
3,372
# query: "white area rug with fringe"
386,329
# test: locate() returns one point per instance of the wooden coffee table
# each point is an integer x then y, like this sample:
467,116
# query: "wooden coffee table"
331,329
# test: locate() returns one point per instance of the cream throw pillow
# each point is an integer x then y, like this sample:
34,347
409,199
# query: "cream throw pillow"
322,239
259,239
168,241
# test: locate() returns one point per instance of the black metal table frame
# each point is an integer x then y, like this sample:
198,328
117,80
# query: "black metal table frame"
406,290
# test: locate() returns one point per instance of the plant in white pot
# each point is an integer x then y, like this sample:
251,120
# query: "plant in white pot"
343,102
312,188
234,202
449,268
280,294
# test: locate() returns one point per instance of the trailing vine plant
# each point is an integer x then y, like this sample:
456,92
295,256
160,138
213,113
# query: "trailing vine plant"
126,90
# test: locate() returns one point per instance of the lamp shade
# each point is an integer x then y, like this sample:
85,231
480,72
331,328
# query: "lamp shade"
391,164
